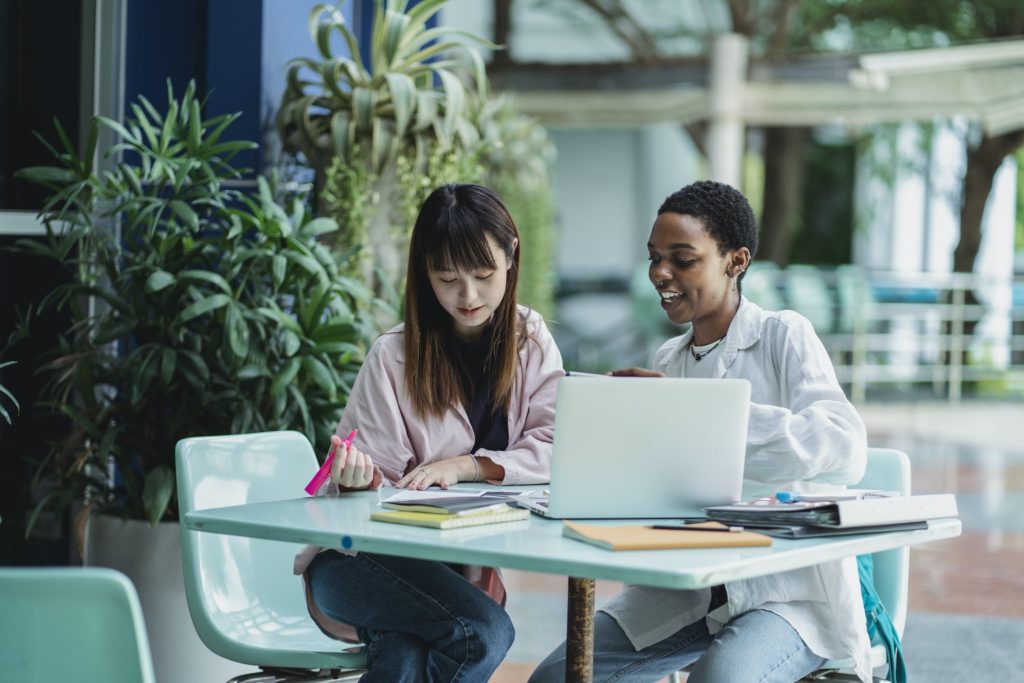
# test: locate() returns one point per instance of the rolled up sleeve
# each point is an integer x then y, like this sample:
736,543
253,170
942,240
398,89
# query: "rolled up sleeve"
817,435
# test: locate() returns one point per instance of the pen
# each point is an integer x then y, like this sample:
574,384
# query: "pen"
325,470
690,527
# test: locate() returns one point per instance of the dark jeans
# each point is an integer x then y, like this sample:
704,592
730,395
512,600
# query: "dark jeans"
421,620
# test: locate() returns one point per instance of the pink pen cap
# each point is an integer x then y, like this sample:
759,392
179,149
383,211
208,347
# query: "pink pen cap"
325,470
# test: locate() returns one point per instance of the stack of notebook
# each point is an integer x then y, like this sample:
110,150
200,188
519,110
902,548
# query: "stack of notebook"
449,512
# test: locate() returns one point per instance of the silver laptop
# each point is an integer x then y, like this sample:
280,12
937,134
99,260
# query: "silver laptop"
631,447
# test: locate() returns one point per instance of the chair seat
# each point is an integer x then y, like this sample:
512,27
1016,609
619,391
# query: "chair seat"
289,642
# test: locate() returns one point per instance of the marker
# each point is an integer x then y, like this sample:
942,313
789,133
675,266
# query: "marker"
690,527
325,470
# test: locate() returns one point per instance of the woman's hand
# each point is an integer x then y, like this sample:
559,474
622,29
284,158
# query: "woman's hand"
636,372
440,472
352,469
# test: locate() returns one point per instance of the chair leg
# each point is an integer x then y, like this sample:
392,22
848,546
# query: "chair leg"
674,677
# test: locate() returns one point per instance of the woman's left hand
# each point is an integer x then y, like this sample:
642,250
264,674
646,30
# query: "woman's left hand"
438,472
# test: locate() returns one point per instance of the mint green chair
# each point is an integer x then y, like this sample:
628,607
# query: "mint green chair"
245,603
71,623
761,285
889,470
807,293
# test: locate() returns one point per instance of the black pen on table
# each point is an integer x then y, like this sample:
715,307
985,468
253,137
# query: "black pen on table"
691,527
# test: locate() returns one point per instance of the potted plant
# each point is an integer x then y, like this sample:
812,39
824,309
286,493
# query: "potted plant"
195,310
358,118
381,134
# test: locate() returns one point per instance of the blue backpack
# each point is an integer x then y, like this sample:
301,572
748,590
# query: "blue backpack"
880,627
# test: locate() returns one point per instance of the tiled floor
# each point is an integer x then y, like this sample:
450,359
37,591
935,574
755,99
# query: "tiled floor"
966,603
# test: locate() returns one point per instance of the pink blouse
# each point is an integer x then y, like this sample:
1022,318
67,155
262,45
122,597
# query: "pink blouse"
398,439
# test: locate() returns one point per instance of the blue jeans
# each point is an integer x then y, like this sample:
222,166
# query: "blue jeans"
757,646
421,620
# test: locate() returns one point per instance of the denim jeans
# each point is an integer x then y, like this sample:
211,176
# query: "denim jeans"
421,620
757,646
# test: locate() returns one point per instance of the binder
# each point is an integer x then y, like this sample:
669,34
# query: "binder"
638,537
839,513
811,531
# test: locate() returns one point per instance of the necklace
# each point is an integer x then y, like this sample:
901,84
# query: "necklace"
698,355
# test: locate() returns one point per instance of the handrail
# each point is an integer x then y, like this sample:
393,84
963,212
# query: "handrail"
884,329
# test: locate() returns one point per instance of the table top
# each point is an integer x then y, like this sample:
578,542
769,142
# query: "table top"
535,544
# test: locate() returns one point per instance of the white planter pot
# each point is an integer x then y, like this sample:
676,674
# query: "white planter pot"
151,558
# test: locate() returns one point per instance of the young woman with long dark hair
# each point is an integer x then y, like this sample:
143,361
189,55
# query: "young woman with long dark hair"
464,390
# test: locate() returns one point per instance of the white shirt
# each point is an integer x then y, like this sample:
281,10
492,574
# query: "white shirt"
803,435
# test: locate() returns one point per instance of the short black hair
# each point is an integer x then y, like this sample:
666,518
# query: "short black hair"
725,211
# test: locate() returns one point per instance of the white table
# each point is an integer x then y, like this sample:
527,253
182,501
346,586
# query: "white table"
538,545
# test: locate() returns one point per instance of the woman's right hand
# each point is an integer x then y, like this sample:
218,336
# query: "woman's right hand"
351,469
636,372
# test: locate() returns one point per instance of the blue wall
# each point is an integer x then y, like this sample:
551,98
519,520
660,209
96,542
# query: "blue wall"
237,52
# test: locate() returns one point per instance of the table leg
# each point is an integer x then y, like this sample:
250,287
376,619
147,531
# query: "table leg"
579,640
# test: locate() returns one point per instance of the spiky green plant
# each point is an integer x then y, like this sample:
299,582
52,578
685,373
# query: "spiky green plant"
211,311
353,121
337,105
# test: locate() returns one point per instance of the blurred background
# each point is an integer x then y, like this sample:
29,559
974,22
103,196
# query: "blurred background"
879,142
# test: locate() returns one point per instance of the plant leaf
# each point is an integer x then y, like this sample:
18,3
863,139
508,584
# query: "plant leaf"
205,276
156,492
160,279
186,213
238,332
285,376
203,306
403,97
168,362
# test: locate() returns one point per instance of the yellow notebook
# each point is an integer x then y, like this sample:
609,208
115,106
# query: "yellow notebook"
440,521
638,537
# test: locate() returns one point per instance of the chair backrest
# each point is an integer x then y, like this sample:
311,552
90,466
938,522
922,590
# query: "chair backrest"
889,469
72,623
807,293
856,300
761,285
244,601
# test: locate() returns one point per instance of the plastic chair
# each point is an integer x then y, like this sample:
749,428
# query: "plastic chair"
856,300
72,623
887,469
808,294
244,601
761,285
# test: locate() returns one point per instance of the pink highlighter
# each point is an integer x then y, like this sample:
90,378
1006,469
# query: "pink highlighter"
325,470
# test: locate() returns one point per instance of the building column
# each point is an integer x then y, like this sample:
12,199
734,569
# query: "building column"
729,53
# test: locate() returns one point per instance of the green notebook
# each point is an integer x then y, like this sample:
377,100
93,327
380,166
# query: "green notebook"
442,521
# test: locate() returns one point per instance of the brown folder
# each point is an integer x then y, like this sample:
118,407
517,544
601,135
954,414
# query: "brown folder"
638,537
